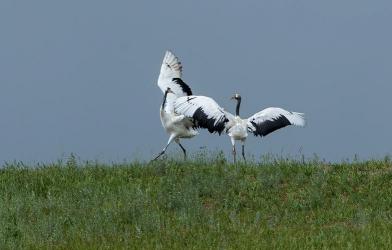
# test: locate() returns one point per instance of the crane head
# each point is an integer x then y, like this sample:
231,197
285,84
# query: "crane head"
236,96
168,90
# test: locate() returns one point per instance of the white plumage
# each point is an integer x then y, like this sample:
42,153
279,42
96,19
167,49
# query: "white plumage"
206,113
171,74
171,84
182,113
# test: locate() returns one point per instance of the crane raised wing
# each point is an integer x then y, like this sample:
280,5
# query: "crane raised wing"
170,76
270,119
206,113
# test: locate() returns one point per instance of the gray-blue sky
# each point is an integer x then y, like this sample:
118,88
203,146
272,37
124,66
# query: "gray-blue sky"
80,76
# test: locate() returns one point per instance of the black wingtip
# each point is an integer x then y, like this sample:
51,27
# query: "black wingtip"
183,85
210,124
269,126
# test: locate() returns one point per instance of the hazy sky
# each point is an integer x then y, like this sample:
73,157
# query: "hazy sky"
80,76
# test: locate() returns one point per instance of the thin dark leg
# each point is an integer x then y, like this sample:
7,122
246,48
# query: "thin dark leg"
234,154
172,137
243,152
183,150
161,153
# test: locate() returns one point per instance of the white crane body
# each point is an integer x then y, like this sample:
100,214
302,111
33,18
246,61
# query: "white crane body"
206,113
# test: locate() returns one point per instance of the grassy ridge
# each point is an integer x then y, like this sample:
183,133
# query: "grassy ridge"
197,204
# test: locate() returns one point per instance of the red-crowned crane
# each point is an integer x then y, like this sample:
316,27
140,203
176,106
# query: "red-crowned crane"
206,113
171,84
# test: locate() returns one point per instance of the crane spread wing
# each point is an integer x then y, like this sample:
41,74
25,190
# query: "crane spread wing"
271,119
204,111
170,76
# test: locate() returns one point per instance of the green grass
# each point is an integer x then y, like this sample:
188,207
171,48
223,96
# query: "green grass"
197,204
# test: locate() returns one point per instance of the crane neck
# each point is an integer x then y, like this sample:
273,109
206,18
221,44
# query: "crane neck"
237,109
164,99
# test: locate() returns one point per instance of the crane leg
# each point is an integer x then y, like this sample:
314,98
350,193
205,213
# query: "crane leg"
183,149
161,153
233,150
171,138
243,152
234,154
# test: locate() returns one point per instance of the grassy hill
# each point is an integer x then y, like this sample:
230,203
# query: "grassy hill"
197,204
